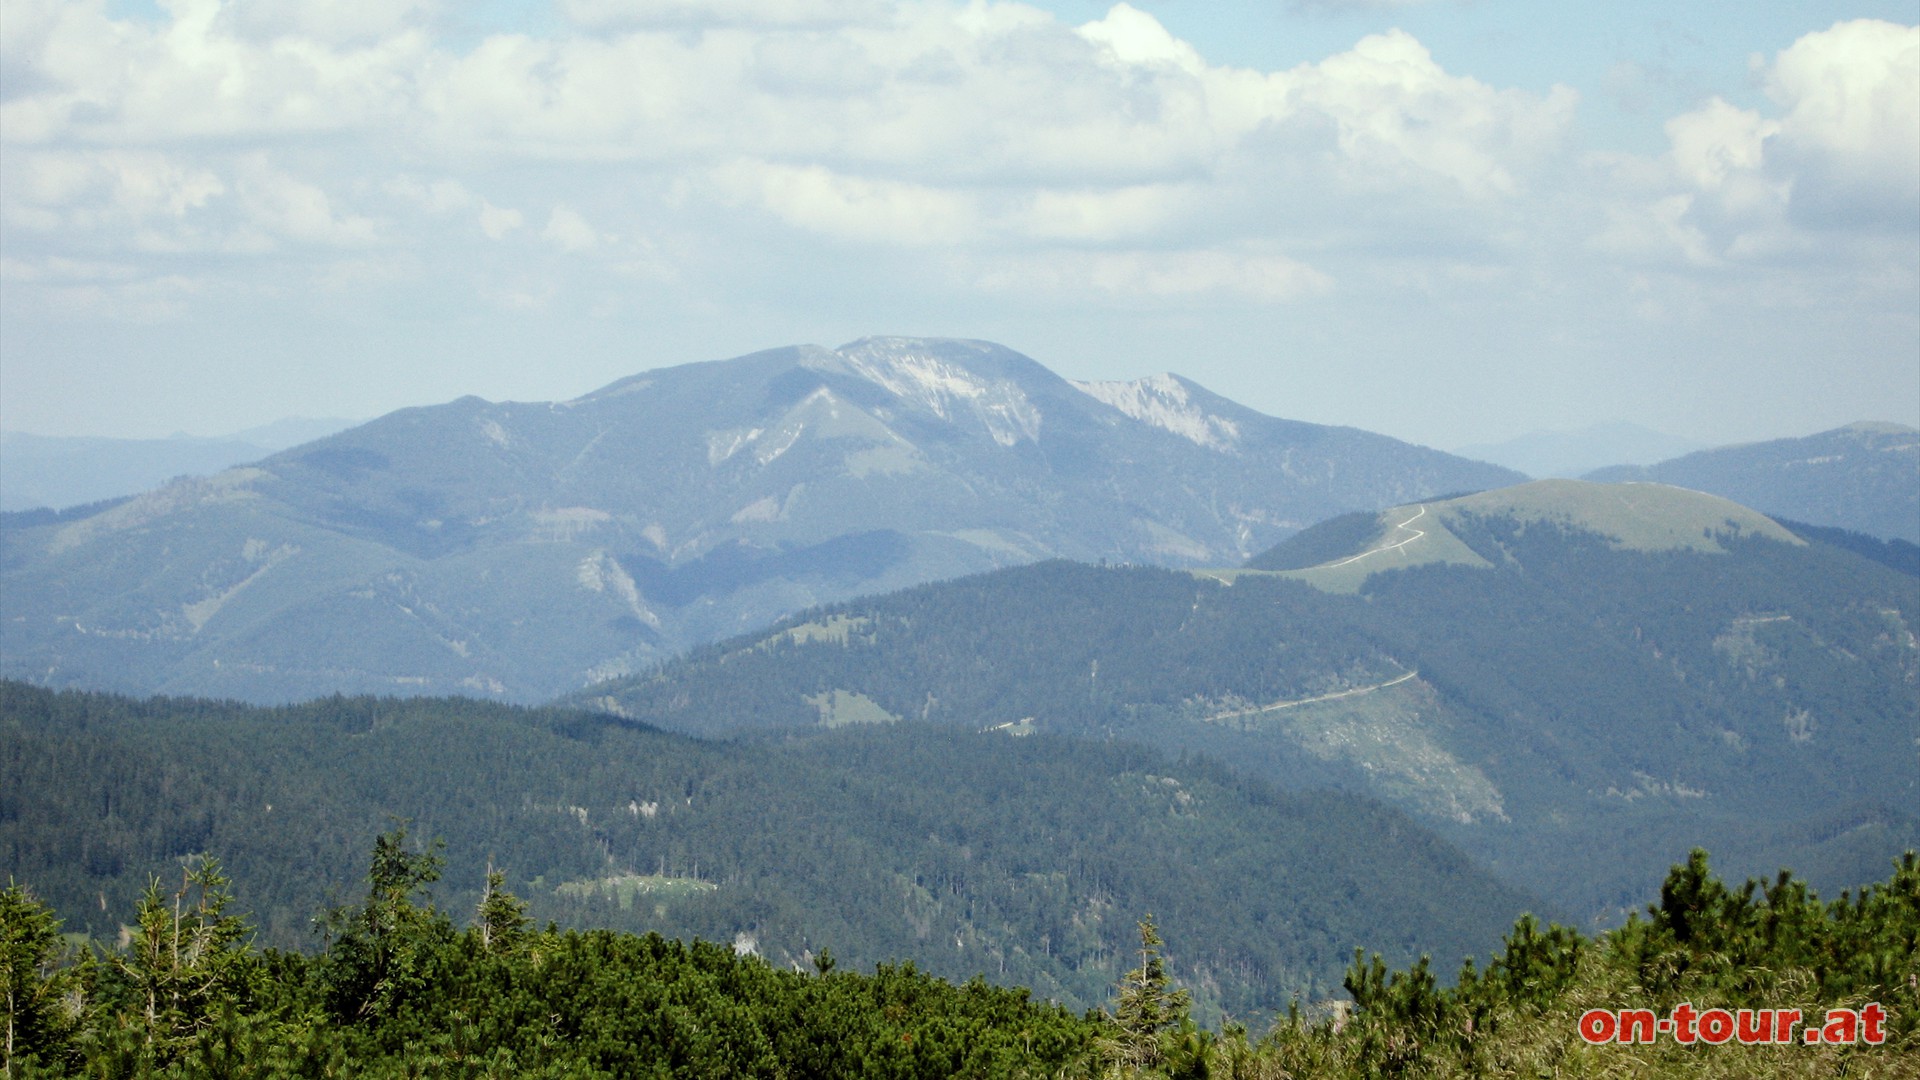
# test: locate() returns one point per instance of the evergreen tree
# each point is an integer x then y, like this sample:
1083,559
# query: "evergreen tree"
1144,1008
501,921
187,957
40,1013
378,951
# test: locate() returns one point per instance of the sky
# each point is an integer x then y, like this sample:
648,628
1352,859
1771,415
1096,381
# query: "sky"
1451,221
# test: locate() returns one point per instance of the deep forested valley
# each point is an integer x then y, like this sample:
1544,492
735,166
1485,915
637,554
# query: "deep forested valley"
1026,859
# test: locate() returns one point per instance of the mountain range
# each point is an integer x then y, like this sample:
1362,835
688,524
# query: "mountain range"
1569,454
871,570
519,551
1576,682
1862,477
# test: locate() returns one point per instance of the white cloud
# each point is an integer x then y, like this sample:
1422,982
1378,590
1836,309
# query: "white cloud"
568,231
1851,133
1352,5
60,269
1402,118
113,292
813,65
1843,153
1133,37
497,222
335,22
1157,275
287,207
1718,142
89,190
1655,232
1101,215
986,92
703,157
449,196
603,14
819,200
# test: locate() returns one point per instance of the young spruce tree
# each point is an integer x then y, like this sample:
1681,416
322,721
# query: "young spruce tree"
1144,1008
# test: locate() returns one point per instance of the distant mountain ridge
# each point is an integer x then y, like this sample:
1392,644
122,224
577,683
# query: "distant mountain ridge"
56,472
522,550
1568,454
1863,477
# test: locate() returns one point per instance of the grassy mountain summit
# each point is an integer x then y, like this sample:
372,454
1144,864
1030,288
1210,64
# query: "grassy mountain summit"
1340,556
1864,477
1571,680
521,550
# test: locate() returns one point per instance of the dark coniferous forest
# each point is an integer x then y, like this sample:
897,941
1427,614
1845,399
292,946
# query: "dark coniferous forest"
1025,859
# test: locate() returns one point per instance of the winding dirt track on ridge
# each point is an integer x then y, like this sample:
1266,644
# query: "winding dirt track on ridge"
1278,705
1417,534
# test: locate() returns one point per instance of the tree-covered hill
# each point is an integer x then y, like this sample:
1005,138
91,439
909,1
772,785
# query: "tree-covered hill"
1027,860
1570,680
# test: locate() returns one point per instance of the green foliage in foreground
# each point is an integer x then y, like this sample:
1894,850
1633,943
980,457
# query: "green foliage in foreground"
400,991
1764,946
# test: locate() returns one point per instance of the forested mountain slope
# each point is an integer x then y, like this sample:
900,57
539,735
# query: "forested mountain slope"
522,550
1028,860
1574,681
